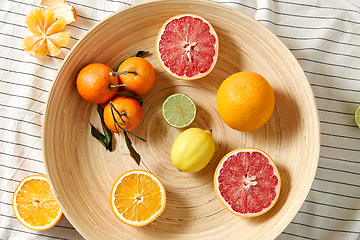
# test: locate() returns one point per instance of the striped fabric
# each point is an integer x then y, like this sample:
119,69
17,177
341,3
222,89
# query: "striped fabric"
324,35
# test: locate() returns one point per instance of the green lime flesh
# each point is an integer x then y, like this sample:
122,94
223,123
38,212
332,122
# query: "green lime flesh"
357,116
179,110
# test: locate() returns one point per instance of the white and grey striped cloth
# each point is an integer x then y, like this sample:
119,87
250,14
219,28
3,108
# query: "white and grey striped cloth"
324,35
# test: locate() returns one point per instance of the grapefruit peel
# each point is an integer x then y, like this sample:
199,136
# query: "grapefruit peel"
249,182
186,49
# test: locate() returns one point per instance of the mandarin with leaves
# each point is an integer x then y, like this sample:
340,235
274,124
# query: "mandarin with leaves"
95,84
137,73
122,113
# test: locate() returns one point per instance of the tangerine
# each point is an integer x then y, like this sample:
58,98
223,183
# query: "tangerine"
95,84
245,101
137,73
122,112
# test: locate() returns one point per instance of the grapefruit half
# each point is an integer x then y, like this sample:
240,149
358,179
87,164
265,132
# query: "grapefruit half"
247,182
187,47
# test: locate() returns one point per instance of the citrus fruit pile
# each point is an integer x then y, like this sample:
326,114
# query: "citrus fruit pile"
98,83
246,180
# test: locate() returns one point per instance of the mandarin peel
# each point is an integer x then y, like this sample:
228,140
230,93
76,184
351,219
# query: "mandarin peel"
61,8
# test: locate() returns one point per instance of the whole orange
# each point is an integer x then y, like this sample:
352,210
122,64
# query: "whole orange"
94,83
126,112
138,74
245,101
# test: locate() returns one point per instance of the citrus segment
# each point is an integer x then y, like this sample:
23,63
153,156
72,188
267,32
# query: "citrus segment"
179,110
137,198
48,37
34,205
187,47
247,182
357,116
245,101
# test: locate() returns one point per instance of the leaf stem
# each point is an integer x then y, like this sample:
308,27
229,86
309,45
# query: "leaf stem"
119,85
117,124
123,73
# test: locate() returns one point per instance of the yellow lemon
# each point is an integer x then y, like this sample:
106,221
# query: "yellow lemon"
192,150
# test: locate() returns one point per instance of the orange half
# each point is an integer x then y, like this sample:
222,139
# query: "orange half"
137,198
34,204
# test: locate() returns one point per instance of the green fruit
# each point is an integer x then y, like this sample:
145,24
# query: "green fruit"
357,116
192,150
179,110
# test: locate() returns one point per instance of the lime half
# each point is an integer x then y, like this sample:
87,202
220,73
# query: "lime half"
179,110
357,116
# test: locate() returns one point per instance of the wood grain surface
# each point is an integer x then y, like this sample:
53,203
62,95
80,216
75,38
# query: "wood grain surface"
81,172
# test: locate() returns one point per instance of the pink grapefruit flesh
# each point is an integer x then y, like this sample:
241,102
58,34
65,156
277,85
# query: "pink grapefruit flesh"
247,182
187,47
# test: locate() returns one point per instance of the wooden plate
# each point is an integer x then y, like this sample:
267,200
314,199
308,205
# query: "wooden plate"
81,172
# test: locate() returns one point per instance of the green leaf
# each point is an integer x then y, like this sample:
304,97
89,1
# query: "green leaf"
141,53
96,134
106,138
132,151
129,93
107,132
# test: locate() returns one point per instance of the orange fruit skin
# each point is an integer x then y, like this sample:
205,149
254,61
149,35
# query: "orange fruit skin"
127,105
245,101
93,83
141,82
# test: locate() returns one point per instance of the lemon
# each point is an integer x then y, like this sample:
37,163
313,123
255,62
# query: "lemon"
192,150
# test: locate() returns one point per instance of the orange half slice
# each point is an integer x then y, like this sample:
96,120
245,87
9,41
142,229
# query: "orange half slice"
34,204
137,198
